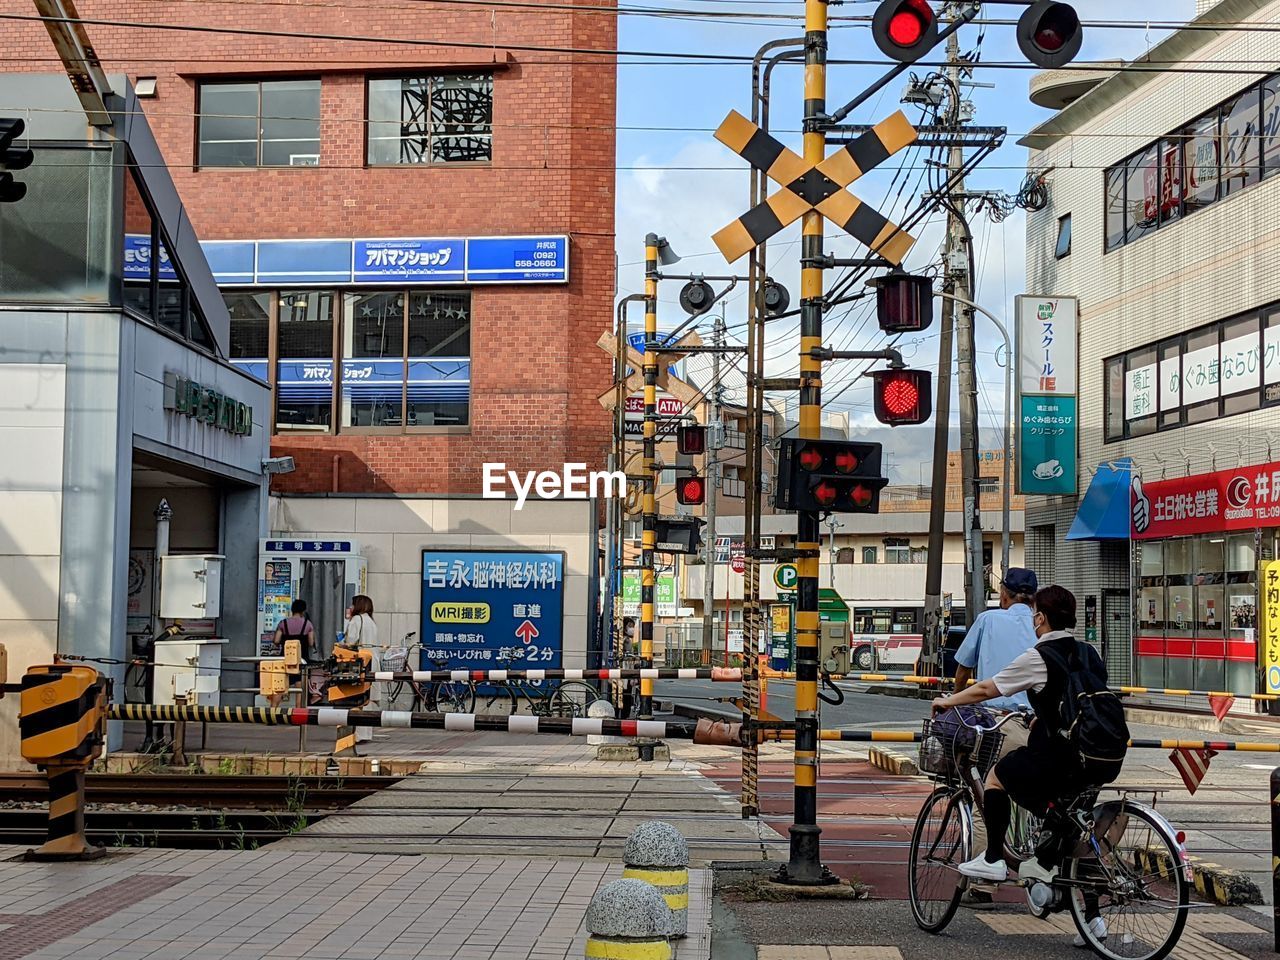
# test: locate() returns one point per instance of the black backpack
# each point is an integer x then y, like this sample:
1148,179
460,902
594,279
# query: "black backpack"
1092,716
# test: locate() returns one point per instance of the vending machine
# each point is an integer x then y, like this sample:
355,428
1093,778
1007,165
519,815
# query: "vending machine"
325,574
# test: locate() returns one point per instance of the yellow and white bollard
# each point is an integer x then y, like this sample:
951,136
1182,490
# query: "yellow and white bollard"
657,854
628,920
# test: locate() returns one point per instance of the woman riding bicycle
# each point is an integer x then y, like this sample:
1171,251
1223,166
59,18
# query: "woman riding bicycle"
1050,767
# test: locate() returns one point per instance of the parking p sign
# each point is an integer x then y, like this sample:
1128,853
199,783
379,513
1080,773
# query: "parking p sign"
786,576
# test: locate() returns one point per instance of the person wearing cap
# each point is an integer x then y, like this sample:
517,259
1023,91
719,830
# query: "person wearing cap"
996,639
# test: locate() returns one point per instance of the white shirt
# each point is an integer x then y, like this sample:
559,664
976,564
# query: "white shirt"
360,630
1028,671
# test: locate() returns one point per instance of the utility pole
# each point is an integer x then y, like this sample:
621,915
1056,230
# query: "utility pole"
714,434
804,865
957,260
649,535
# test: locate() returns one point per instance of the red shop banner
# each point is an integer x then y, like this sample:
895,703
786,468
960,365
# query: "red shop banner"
1239,499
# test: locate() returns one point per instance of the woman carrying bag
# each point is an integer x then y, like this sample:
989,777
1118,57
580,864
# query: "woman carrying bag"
359,631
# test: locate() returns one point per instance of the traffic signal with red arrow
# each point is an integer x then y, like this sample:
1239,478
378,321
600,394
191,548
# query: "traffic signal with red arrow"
835,476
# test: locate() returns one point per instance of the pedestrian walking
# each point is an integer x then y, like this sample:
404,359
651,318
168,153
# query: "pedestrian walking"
361,631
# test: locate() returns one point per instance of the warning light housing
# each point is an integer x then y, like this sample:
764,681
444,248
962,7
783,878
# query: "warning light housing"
691,490
691,439
1049,33
902,396
904,302
837,476
905,30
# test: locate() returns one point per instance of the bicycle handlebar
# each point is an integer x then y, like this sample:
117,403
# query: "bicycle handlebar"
1019,714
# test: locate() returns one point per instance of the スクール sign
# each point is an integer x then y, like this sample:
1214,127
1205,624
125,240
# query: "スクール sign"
1046,338
484,607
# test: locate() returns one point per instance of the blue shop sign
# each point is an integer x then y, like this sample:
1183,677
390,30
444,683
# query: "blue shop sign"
518,259
479,605
137,259
308,546
368,380
410,261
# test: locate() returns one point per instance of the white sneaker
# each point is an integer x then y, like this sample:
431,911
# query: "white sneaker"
979,869
1097,926
1033,870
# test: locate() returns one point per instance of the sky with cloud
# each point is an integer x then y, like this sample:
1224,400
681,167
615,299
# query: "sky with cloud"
676,180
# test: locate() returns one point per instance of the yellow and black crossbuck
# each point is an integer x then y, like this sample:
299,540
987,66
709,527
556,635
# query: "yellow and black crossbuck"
818,187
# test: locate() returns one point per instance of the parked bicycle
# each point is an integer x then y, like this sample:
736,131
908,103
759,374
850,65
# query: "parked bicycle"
1126,863
448,696
543,698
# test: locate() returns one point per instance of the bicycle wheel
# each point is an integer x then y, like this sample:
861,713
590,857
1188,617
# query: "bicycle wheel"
454,697
1135,882
571,699
939,844
500,701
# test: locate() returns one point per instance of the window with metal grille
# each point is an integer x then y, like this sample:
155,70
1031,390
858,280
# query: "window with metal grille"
441,118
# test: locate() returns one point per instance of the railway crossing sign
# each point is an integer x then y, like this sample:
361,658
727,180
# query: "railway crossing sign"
818,186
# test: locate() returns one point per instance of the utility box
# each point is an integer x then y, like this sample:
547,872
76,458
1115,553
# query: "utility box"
190,668
833,647
191,587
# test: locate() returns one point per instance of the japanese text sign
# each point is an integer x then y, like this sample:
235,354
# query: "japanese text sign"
1238,499
1046,345
485,609
1270,649
664,595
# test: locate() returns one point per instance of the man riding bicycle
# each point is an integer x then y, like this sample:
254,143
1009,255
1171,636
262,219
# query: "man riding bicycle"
1050,767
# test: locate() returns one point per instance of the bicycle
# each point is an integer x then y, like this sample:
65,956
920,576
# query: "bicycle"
441,696
1125,862
568,698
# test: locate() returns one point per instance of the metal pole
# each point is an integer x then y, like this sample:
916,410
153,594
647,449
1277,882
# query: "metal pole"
1008,413
938,494
617,511
1275,856
713,487
649,535
804,865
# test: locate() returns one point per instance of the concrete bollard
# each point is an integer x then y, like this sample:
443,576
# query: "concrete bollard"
657,854
628,920
601,710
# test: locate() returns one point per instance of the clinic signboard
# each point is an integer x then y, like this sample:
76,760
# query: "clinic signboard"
481,607
1046,333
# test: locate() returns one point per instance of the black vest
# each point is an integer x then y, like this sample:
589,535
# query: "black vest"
1048,702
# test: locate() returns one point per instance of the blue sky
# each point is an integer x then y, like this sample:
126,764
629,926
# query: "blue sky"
684,185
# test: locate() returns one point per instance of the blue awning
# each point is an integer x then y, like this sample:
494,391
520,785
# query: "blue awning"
1104,511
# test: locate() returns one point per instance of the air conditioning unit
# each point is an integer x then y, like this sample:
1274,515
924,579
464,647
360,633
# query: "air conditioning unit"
304,159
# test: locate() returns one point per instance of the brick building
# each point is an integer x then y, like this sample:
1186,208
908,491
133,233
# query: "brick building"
431,124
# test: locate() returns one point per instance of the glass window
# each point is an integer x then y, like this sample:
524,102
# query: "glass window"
1240,365
1240,151
897,551
904,621
1271,126
1115,207
1141,195
1141,389
869,555
1200,376
1170,180
1201,161
1113,401
250,331
269,124
431,119
373,359
304,368
1271,356
139,230
1170,382
438,355
919,554
1063,246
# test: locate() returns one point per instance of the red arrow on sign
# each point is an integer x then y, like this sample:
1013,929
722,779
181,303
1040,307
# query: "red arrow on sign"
526,632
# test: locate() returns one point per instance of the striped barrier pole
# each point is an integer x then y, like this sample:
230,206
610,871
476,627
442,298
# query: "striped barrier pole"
60,721
720,674
908,736
657,854
628,920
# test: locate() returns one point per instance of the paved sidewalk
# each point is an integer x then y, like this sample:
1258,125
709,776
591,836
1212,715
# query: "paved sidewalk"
208,905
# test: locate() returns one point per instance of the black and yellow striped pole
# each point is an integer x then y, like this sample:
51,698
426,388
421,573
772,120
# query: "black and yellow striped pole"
61,720
649,534
804,865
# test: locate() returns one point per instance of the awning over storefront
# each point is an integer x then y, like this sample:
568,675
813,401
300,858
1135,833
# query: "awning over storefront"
1104,511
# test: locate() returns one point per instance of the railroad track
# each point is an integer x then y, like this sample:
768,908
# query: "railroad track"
205,790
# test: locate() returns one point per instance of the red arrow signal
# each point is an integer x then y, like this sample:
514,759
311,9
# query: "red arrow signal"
526,632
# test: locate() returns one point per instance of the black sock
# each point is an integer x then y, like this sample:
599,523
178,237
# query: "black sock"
995,805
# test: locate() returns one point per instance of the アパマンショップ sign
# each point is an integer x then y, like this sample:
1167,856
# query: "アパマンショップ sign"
1238,499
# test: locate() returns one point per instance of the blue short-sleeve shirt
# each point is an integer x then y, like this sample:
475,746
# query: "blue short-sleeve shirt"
996,639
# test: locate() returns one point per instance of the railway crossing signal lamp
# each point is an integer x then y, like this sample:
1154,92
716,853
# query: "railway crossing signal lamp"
904,30
696,297
902,396
11,190
691,490
904,302
691,439
829,476
776,298
678,534
1049,33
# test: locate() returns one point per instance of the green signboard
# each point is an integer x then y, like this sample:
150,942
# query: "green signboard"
190,399
1047,460
664,595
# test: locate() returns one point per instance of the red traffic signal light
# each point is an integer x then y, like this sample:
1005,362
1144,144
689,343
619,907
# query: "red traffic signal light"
691,439
902,396
1049,33
904,29
840,476
904,302
691,490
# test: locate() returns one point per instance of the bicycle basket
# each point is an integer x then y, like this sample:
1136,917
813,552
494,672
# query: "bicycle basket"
948,745
395,659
